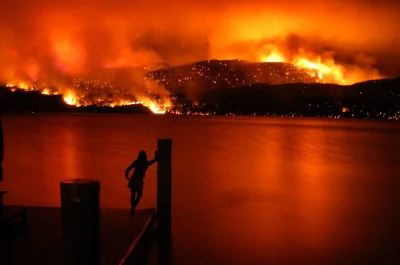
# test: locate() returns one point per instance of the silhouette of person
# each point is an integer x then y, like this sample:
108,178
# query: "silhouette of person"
135,184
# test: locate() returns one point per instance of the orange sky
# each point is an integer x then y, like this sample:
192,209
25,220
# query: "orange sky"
48,39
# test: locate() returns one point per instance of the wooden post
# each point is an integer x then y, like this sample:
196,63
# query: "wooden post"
1,146
80,221
164,147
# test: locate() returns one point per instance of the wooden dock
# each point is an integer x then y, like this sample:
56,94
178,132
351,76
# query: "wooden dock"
79,232
120,233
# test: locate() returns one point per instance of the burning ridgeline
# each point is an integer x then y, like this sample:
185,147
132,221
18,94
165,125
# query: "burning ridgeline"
153,86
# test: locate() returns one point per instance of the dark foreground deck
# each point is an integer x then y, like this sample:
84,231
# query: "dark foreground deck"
119,234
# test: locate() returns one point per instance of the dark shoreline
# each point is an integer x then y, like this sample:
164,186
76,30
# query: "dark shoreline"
377,99
32,114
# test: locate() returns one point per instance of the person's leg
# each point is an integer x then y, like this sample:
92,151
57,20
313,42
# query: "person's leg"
139,193
133,200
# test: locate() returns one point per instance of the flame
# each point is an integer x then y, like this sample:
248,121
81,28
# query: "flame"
273,57
328,70
45,91
71,99
156,108
20,85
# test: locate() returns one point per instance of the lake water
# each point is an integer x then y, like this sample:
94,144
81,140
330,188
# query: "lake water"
245,190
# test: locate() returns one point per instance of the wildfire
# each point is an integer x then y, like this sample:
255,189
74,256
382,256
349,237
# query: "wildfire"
46,92
20,85
155,108
95,91
328,70
72,99
273,57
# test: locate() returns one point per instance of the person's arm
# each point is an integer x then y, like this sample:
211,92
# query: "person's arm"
129,169
155,159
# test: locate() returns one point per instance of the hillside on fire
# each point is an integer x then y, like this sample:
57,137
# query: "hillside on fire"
371,99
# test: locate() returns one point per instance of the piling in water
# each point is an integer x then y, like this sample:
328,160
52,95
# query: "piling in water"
1,146
164,169
80,220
